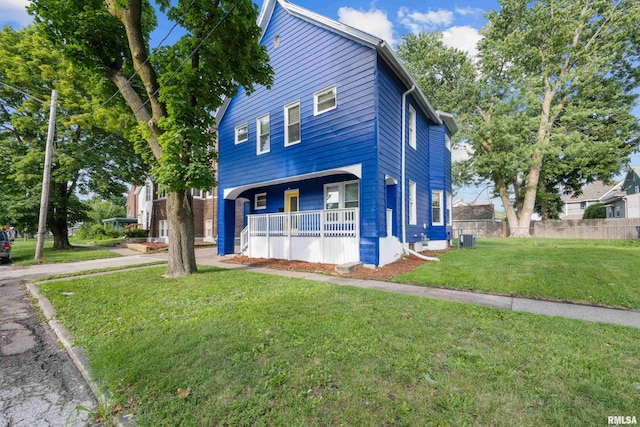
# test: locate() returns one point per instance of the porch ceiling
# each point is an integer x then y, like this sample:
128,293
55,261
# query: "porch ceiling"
234,192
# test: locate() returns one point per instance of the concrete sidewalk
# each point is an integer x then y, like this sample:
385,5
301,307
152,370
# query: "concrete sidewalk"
208,256
547,308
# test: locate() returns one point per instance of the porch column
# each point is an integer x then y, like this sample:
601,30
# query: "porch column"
226,228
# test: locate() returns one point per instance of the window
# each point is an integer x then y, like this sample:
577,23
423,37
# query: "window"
242,133
324,100
449,217
147,220
413,210
447,141
637,189
264,131
208,228
412,127
148,191
292,124
163,226
162,194
261,201
209,194
342,195
583,205
196,193
436,208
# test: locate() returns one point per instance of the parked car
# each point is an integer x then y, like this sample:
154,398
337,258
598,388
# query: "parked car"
5,246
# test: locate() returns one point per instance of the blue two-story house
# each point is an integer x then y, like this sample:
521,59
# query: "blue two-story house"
342,160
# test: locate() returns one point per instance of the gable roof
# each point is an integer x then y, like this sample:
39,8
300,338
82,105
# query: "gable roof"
594,191
382,47
632,170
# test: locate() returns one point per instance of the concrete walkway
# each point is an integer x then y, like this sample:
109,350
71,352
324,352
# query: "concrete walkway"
548,308
207,256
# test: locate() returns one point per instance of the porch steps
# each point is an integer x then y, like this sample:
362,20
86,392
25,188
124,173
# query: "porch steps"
347,267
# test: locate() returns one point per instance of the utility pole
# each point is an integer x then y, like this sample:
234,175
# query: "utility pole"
46,176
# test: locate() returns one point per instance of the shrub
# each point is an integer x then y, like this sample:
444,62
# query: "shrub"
98,232
135,232
595,211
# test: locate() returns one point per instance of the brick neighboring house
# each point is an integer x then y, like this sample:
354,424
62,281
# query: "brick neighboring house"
149,206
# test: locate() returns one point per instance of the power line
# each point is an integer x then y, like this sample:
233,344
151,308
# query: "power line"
135,72
23,92
177,69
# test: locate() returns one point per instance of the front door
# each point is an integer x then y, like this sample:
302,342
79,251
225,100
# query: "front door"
292,204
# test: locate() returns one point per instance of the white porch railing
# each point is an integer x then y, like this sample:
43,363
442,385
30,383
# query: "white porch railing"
329,236
244,239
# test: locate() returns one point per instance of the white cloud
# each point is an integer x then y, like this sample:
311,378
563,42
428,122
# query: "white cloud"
464,38
373,21
474,11
13,12
419,22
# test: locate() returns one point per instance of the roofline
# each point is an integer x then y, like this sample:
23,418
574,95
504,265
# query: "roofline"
358,36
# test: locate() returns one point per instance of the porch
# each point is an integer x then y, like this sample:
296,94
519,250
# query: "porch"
329,236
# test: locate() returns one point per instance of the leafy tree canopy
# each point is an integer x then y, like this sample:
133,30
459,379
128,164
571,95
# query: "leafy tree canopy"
174,89
547,105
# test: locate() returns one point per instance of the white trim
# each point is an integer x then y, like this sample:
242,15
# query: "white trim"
233,192
449,208
413,205
333,88
258,135
237,141
440,219
255,201
342,185
287,143
447,141
413,128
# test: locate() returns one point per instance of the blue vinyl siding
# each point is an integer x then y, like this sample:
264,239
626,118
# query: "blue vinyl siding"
439,173
364,128
308,59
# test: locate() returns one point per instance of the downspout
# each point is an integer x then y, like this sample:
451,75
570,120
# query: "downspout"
405,246
402,166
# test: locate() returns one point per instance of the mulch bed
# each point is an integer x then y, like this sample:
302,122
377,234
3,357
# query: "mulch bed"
403,265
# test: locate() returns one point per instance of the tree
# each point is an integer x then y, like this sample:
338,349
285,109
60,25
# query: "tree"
547,104
175,89
30,64
99,209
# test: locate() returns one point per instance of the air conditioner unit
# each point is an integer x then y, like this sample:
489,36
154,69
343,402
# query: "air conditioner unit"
467,241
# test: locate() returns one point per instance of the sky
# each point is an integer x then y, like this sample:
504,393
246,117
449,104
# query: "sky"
459,20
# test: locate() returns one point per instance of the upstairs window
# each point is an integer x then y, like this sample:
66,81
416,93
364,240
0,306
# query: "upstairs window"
260,201
263,135
242,133
447,141
324,100
292,124
449,213
196,193
148,191
436,208
412,127
162,194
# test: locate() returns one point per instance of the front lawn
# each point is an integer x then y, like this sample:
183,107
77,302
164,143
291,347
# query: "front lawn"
593,272
22,253
235,348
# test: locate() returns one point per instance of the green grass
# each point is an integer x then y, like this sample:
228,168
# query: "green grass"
236,348
592,272
22,253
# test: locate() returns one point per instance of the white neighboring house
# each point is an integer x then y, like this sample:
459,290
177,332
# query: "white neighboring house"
631,188
140,204
610,195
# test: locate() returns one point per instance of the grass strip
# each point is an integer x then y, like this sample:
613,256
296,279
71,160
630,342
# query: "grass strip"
99,270
22,253
591,272
226,347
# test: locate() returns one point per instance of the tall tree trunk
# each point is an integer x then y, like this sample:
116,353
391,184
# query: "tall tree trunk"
60,230
182,256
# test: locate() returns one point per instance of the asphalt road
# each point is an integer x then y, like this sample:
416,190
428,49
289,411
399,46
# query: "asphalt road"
39,384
